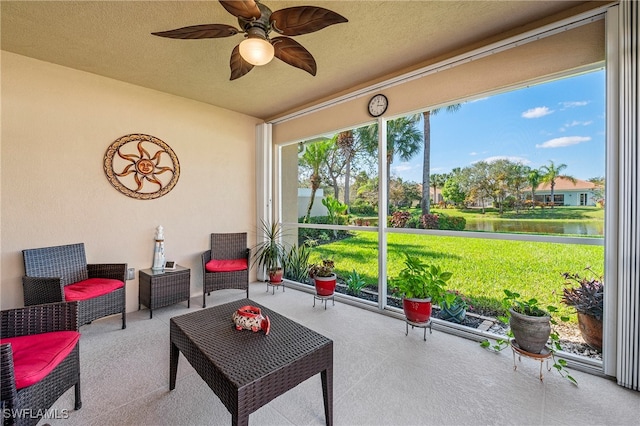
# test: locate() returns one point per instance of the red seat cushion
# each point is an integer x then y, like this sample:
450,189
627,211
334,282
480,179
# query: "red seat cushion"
227,265
37,355
88,289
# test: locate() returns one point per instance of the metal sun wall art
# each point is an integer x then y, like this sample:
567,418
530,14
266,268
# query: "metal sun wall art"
141,166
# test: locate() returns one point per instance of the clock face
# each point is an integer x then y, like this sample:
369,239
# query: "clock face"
378,105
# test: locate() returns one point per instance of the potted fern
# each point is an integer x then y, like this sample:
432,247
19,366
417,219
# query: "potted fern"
420,285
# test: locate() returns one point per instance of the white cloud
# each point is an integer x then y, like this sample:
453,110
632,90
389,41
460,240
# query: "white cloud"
573,104
403,167
563,141
513,158
537,112
578,123
473,153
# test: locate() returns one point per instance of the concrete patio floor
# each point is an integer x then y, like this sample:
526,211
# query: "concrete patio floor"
381,376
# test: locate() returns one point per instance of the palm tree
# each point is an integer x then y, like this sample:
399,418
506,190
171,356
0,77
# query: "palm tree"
425,204
437,181
314,156
534,178
345,141
403,140
551,172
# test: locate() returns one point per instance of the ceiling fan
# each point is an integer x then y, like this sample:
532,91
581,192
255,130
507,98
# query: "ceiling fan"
257,21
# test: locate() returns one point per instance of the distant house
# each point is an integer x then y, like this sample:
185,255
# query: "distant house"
566,193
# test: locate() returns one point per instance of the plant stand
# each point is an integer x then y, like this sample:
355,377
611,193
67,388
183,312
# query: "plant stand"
324,299
424,325
544,355
274,286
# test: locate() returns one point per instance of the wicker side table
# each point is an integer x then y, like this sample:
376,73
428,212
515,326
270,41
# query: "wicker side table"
163,288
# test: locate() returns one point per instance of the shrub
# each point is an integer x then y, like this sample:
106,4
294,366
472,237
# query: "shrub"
363,208
429,221
443,222
322,235
452,223
399,219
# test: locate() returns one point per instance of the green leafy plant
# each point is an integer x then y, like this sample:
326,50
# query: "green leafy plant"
296,261
355,283
530,307
421,280
270,253
588,297
455,298
324,269
335,208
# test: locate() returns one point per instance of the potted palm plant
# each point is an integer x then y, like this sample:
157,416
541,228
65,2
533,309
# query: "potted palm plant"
587,299
420,285
323,277
270,253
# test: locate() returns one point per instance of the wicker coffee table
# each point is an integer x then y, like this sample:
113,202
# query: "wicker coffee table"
244,369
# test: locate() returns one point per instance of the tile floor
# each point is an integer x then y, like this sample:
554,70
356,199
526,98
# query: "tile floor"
381,377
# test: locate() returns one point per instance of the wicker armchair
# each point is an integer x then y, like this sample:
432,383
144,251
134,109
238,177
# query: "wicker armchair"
26,405
226,265
61,273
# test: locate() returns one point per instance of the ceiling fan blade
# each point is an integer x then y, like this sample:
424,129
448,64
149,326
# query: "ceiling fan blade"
247,9
299,20
239,66
292,52
200,31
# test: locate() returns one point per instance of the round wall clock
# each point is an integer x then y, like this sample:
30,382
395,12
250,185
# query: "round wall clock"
141,166
378,105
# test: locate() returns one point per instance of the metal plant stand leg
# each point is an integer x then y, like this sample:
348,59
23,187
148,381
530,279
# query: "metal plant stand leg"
324,299
542,357
274,286
424,325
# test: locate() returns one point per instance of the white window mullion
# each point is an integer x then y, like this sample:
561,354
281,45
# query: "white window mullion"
383,198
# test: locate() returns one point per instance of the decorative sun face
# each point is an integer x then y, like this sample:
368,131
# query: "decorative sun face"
135,165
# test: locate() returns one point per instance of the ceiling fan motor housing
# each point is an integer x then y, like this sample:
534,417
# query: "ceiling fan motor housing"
262,23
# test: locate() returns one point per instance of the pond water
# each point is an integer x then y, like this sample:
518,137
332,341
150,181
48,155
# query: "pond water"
594,228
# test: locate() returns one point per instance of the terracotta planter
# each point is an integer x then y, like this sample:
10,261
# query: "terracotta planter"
591,330
275,276
325,286
531,333
417,310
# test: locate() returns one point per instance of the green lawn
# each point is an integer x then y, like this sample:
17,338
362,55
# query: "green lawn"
481,268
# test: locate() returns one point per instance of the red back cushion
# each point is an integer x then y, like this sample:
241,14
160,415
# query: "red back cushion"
88,289
37,355
227,265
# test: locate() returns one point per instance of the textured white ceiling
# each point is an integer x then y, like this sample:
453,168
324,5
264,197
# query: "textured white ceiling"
112,39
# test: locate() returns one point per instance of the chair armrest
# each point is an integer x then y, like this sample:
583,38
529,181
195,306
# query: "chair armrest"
8,392
38,319
206,257
115,271
39,290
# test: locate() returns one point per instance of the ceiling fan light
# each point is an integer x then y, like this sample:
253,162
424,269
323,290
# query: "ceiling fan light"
256,50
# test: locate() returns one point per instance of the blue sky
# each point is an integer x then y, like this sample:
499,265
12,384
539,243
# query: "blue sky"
561,121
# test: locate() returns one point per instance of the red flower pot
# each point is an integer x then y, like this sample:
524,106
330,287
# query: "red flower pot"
275,276
325,286
417,310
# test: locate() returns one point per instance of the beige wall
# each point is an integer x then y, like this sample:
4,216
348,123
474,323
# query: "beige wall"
56,126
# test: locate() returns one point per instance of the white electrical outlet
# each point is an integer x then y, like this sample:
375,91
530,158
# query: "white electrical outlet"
131,273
